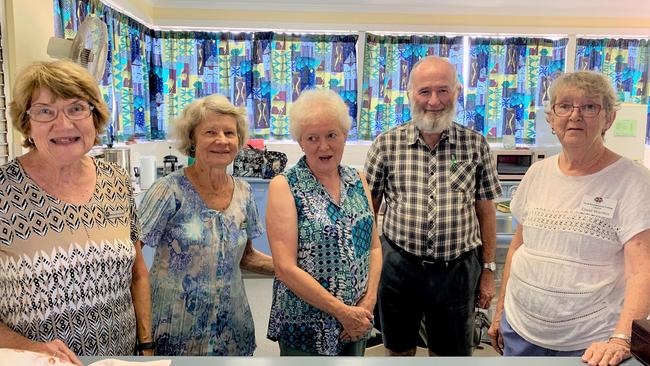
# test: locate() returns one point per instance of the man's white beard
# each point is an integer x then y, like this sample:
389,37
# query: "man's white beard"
433,123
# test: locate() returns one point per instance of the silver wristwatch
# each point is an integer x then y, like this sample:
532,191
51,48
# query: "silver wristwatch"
491,266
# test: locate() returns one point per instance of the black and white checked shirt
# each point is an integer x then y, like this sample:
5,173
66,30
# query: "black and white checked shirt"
430,193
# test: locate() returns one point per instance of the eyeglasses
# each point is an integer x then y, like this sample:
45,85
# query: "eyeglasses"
74,111
565,109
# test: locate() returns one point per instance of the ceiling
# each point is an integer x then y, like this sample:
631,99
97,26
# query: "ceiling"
559,8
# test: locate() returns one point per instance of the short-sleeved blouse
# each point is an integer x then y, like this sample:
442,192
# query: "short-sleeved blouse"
199,301
65,270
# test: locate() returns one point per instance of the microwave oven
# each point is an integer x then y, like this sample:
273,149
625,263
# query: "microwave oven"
512,164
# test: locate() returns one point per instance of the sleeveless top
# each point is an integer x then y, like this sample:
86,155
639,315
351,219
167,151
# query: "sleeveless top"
334,248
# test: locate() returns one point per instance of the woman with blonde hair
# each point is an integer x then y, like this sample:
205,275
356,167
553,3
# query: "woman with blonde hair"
72,276
201,221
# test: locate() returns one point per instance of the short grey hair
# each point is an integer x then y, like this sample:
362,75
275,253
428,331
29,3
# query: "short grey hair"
428,59
591,83
197,111
311,104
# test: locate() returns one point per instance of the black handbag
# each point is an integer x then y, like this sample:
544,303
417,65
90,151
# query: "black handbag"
274,163
252,162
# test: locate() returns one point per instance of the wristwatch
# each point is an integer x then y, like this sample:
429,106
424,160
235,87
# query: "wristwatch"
491,266
141,346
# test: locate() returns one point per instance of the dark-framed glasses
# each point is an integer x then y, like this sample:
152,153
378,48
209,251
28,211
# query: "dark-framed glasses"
565,109
45,113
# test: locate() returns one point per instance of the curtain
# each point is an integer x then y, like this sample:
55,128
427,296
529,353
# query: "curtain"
153,75
286,64
508,82
125,84
624,62
387,62
190,65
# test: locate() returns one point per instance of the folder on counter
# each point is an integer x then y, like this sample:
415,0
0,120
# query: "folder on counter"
503,206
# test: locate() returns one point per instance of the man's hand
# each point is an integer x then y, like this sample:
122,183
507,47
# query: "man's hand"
487,289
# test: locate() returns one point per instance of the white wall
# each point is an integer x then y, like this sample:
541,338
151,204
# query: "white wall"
30,24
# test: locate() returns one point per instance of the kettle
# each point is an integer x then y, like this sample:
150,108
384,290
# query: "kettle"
118,155
170,163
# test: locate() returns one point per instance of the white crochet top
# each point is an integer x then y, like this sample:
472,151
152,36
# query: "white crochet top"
566,284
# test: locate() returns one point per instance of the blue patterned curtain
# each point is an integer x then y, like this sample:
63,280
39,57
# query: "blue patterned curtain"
125,84
190,65
387,62
624,61
508,81
154,74
286,64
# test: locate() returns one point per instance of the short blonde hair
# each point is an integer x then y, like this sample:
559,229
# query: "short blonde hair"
65,80
311,104
197,111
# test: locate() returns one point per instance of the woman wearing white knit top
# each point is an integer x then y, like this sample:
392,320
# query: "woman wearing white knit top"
578,268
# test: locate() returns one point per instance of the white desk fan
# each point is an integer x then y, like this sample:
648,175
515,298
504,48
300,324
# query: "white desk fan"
88,48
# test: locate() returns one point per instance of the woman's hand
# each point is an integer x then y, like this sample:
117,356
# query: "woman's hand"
368,302
356,322
607,353
56,348
496,339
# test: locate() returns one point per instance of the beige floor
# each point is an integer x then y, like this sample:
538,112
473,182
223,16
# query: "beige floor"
380,351
259,291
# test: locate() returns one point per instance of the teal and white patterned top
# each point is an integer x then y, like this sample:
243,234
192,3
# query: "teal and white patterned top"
199,301
334,248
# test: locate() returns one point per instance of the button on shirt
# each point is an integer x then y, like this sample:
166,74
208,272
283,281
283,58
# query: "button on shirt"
430,193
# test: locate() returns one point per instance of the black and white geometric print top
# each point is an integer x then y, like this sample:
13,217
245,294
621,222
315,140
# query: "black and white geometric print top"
65,270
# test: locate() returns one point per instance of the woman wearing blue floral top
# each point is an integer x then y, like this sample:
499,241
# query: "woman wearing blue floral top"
323,238
201,221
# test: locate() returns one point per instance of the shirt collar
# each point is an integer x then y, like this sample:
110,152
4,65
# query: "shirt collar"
413,134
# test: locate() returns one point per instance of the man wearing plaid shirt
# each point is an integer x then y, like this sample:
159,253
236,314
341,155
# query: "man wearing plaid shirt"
438,180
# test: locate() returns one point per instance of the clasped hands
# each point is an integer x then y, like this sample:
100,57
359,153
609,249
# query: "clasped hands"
356,322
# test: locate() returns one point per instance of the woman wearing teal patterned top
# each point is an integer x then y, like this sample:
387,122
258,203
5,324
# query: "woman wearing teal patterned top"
322,234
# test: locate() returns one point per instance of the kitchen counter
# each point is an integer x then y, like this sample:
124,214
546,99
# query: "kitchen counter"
370,361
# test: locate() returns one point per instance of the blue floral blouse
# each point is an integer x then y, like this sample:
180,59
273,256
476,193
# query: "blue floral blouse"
334,248
199,301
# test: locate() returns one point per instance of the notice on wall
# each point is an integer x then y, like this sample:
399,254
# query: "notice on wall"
627,136
625,128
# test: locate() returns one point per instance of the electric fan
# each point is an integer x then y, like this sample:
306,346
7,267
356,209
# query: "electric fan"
88,48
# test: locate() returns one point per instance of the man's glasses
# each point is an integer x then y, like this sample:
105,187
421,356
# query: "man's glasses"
74,111
565,109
